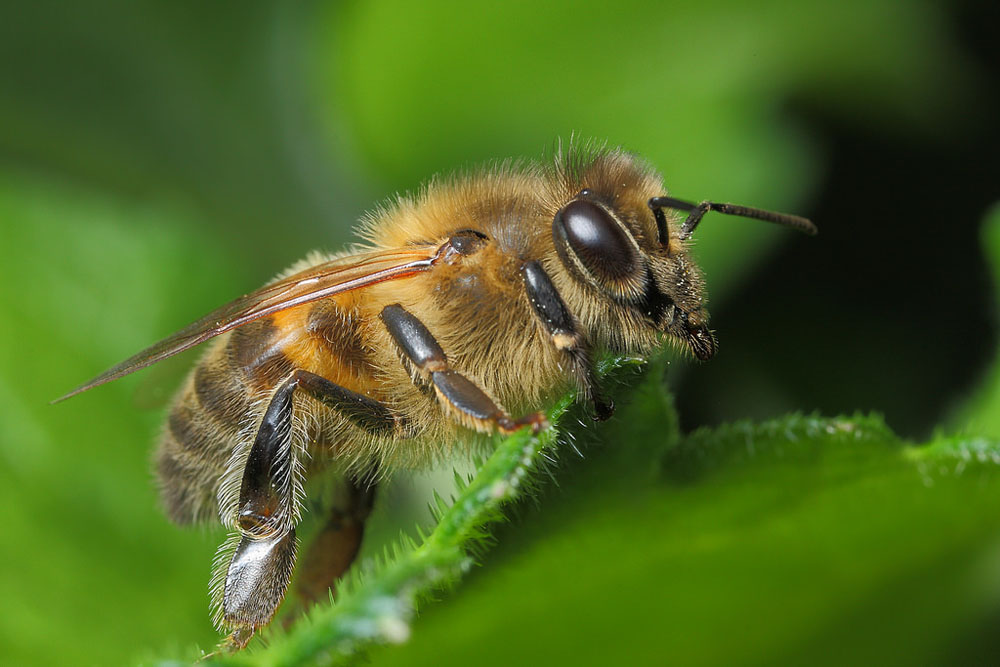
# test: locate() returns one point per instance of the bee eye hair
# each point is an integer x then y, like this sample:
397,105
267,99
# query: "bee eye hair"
599,244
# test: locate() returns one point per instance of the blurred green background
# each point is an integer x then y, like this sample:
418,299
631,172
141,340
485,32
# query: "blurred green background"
159,158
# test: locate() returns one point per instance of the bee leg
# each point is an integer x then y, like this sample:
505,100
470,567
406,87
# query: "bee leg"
460,396
336,546
261,567
562,329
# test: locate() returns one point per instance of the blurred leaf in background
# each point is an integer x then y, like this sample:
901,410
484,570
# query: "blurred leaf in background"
158,159
981,414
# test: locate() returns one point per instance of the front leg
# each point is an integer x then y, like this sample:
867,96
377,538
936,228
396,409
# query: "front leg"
564,333
459,395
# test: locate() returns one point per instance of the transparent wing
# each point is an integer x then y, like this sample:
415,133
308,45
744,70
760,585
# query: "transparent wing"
317,282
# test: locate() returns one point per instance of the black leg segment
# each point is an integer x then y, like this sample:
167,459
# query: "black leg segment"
367,413
413,338
265,491
549,306
469,400
562,328
472,406
261,567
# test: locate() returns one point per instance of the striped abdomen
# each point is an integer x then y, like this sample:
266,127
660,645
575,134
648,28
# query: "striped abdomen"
208,414
221,397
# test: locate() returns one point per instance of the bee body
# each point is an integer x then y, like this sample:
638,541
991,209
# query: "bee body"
476,308
483,297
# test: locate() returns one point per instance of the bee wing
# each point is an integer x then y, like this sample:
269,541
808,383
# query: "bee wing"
317,282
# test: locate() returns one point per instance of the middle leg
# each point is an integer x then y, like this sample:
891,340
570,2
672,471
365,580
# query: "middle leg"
336,546
459,395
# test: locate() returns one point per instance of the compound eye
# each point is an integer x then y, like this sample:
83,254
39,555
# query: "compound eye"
599,243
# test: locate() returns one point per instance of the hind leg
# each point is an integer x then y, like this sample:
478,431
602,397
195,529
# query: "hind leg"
253,580
336,546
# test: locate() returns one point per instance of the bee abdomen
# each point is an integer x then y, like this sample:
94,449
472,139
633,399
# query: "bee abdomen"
201,431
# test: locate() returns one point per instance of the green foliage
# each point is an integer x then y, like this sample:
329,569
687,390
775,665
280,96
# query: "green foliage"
689,85
88,555
159,159
798,540
982,413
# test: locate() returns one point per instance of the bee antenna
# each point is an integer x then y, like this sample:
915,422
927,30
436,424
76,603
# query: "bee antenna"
697,211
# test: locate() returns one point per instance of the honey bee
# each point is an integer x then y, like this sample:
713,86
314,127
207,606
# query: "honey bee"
468,307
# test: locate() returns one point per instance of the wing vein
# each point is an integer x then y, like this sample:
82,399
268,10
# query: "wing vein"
322,281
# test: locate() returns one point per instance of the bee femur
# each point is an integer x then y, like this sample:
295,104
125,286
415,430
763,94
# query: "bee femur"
697,211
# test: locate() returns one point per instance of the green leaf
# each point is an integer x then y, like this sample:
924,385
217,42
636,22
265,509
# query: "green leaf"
798,540
981,414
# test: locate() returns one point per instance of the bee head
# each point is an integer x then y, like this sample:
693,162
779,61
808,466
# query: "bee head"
650,277
626,249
